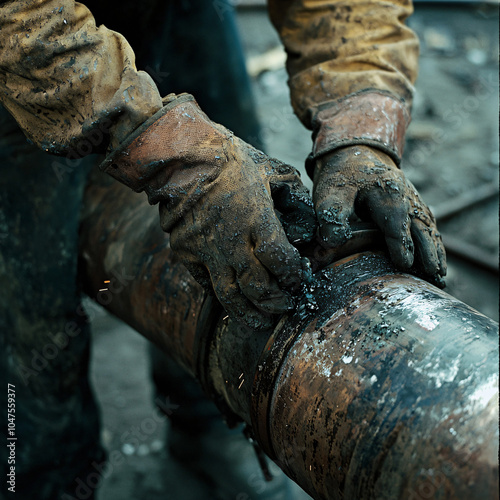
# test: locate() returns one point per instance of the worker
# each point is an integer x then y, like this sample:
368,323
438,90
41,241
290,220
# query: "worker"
235,216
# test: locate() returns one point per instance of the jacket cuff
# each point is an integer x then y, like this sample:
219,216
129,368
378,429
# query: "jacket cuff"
130,162
370,118
177,150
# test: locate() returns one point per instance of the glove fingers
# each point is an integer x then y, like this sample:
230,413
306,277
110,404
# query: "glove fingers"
263,291
429,249
443,267
390,213
425,224
200,273
334,208
280,258
296,210
232,290
235,303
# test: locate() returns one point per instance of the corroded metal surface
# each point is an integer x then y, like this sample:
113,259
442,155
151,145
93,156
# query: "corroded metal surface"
379,385
389,390
122,242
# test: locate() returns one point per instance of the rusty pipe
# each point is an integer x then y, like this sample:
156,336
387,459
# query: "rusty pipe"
379,386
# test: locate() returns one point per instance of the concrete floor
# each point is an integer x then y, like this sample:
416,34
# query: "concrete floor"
457,100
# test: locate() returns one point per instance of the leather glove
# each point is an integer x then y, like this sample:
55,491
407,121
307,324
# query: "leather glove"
365,182
218,197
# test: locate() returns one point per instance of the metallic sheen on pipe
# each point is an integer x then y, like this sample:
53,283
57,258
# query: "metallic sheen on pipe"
379,386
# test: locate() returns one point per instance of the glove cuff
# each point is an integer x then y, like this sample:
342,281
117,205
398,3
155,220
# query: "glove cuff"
371,118
175,152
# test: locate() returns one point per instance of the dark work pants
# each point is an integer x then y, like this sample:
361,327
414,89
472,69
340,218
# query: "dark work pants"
44,334
187,46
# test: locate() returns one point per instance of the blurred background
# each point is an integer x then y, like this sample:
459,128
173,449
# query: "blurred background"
452,156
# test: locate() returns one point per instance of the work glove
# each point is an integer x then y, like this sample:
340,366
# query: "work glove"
361,181
232,212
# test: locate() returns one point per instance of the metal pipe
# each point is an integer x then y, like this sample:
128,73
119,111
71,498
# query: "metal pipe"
379,385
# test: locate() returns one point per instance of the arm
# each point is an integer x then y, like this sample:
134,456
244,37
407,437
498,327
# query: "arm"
74,89
352,65
64,79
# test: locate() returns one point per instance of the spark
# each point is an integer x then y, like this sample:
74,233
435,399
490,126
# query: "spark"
239,387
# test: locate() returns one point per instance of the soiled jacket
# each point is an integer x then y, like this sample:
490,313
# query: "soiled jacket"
74,89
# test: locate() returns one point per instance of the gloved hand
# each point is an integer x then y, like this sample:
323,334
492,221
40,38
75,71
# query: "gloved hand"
365,182
218,197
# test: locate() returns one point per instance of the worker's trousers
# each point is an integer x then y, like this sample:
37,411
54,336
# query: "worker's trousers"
188,46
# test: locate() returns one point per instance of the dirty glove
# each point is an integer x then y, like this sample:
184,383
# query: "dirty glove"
218,197
365,182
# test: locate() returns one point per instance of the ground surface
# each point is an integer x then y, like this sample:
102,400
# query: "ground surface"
452,149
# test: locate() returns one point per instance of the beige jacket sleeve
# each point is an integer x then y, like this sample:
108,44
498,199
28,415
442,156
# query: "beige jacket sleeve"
352,65
71,86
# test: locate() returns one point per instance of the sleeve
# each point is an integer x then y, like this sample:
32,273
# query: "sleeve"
71,86
352,65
